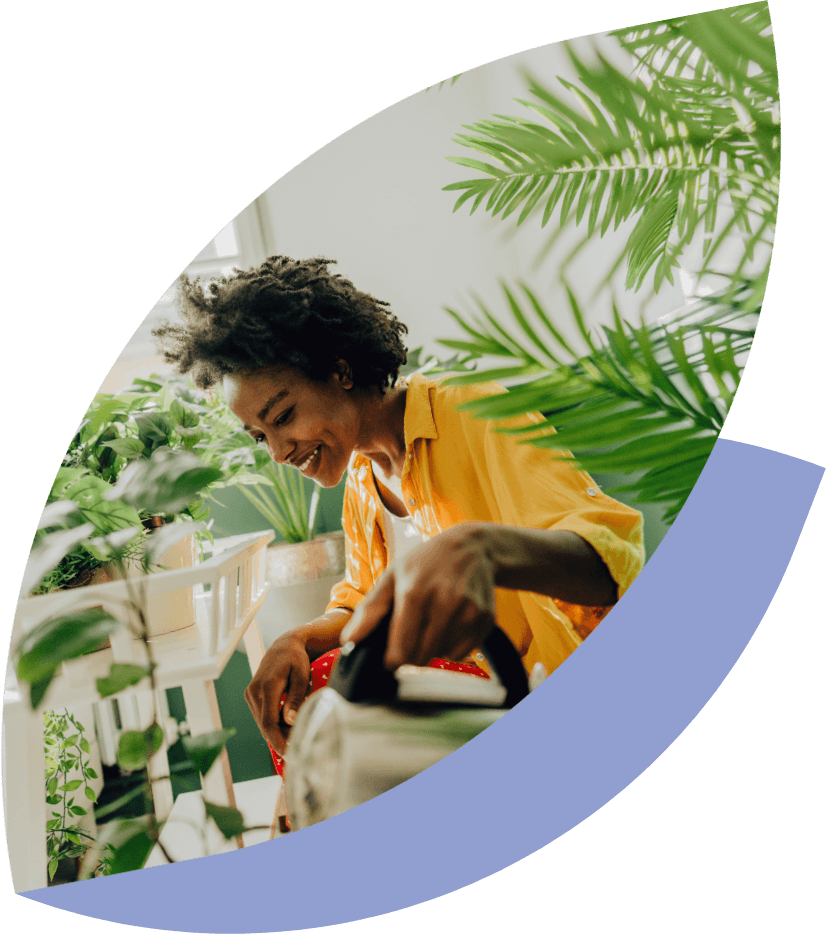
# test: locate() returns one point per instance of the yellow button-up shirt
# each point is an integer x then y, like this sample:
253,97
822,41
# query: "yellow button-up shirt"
460,469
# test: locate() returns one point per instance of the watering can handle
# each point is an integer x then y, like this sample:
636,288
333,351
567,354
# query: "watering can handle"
360,675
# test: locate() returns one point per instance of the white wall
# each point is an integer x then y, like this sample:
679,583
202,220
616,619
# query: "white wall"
372,199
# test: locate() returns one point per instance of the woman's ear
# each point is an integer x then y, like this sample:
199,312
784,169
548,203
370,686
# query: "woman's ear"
344,374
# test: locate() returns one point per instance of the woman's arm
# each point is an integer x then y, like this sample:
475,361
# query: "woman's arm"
286,668
323,634
554,563
441,598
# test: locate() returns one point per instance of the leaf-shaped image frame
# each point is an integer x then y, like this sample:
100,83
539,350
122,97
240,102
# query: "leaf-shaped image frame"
643,682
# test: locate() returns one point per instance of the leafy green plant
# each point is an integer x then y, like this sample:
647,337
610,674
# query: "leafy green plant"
279,493
68,771
153,416
688,147
165,482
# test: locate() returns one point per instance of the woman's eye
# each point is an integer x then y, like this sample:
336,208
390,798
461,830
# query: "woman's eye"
259,439
283,418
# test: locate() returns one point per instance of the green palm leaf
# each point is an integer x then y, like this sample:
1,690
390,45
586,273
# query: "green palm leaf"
694,130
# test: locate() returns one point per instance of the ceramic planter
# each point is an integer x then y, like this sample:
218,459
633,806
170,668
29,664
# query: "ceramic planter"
168,612
302,576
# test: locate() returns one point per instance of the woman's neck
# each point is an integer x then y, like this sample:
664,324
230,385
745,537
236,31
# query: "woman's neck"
383,430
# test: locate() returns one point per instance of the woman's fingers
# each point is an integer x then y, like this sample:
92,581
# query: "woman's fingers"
266,710
296,693
453,635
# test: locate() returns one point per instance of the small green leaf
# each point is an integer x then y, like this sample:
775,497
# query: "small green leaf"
91,773
135,747
132,842
71,786
120,676
84,745
52,868
127,447
165,483
78,811
89,794
54,799
52,786
229,820
203,750
58,640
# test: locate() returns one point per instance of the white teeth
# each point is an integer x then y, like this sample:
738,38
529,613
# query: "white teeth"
306,464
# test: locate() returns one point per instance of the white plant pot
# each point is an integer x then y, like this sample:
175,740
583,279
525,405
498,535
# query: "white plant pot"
169,612
302,576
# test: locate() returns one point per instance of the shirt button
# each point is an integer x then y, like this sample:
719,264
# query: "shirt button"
591,491
411,502
479,657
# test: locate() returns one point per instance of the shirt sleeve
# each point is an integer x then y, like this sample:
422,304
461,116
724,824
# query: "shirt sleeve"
543,488
536,487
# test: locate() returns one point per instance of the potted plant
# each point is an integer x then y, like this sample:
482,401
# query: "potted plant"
71,794
150,418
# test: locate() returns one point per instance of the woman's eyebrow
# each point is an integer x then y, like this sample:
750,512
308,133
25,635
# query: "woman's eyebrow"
268,405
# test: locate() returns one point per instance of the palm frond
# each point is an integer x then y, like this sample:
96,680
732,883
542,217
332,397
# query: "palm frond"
642,400
690,139
442,83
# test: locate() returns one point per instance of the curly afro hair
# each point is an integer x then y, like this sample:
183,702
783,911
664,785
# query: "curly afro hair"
285,312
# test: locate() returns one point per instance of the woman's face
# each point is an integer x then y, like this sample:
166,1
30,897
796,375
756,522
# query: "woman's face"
309,425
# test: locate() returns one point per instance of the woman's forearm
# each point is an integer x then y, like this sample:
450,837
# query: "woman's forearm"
322,634
554,563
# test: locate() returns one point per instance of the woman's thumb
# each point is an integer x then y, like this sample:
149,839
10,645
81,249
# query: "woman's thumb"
371,611
296,692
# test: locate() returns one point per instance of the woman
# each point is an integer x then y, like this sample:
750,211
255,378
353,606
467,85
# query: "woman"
482,528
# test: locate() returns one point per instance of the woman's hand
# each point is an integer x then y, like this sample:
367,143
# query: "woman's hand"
284,668
441,597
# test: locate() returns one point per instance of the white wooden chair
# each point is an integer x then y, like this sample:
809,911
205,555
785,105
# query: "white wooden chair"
229,589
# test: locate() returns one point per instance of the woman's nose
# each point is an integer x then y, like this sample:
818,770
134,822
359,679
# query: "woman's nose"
280,451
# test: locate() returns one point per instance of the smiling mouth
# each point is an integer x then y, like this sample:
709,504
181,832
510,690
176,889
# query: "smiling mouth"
306,463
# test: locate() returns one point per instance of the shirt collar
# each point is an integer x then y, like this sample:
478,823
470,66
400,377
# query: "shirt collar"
418,410
418,416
